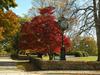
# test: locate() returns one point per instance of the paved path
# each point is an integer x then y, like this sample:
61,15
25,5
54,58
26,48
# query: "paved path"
8,72
6,63
8,59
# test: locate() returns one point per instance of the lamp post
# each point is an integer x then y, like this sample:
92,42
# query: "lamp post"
64,26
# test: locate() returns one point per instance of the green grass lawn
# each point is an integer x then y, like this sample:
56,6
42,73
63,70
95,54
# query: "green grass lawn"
89,58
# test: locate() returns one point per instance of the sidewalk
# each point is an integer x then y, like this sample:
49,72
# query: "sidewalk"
8,59
11,72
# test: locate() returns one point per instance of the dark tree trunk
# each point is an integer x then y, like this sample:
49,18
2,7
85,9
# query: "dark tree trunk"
50,55
39,55
62,52
62,56
97,24
98,32
98,40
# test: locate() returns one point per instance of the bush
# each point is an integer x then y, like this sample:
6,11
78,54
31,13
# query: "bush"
78,53
3,53
85,54
14,54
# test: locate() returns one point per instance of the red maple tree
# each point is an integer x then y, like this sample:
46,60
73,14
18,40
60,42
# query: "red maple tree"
42,34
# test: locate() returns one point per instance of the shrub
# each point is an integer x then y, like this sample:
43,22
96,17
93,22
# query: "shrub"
78,53
3,52
14,54
85,54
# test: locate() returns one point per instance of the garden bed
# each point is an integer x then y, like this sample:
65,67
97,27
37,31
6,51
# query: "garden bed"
65,65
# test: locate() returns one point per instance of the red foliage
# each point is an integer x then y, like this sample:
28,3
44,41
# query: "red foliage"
47,10
42,34
67,44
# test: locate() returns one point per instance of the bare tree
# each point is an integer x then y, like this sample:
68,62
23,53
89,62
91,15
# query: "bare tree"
96,6
89,19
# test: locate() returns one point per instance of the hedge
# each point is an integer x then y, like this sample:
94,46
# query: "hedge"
78,53
19,57
65,65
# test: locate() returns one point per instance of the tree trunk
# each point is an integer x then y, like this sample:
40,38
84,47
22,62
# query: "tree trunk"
97,24
98,32
62,52
98,40
39,55
50,55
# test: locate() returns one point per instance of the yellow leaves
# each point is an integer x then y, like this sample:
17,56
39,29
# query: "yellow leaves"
13,32
1,12
61,4
88,39
1,29
11,16
1,33
9,24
